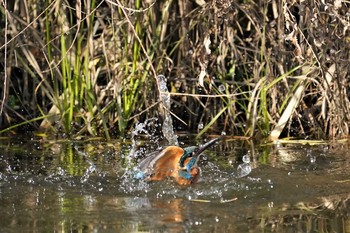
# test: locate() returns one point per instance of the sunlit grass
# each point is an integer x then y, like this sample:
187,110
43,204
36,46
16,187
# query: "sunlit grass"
90,68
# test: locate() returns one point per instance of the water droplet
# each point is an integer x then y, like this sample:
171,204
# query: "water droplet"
222,88
312,159
159,195
243,169
308,152
200,126
270,204
278,143
30,181
8,169
217,219
246,159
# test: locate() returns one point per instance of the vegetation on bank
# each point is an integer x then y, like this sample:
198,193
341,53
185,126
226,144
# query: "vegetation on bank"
267,68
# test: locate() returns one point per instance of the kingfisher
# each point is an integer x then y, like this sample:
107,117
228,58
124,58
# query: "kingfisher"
173,161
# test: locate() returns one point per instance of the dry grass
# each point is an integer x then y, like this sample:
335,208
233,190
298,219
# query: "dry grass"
274,69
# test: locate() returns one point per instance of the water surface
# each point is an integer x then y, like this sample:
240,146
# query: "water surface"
82,186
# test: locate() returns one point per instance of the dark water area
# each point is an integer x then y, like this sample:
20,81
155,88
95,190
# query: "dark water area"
82,186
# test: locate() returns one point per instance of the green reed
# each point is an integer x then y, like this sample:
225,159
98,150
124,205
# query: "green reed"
128,93
87,67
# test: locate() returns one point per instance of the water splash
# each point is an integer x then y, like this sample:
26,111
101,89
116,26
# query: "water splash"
167,128
245,168
140,128
91,169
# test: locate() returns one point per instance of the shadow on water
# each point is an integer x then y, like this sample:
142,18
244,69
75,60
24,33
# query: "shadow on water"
52,186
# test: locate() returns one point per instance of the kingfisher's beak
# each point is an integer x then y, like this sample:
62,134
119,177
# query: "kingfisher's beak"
197,154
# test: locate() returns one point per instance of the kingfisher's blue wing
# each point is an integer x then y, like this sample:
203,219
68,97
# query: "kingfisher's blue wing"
145,167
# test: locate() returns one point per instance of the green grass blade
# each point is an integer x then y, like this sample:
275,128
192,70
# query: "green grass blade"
211,122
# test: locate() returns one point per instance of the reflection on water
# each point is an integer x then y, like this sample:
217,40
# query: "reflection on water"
50,187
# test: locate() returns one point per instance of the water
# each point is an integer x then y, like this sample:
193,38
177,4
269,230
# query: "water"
52,187
167,127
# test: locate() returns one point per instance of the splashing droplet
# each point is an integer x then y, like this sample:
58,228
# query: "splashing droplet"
270,204
222,88
167,128
243,170
312,159
200,126
246,159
